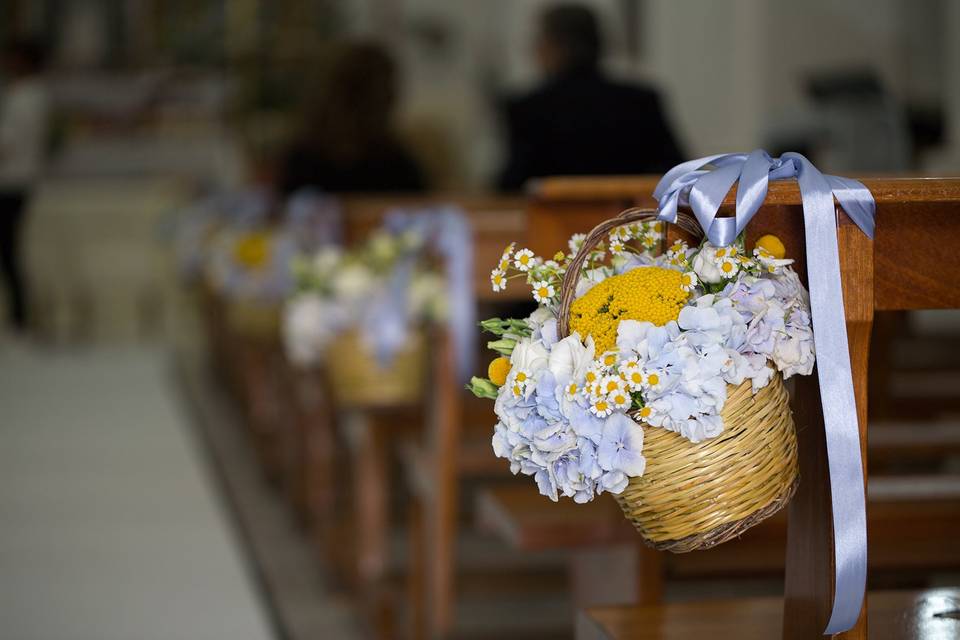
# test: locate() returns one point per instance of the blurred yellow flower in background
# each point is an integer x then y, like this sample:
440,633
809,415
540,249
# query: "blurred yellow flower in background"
252,250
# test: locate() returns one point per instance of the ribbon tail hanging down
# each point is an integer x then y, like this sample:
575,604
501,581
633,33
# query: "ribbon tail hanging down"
703,184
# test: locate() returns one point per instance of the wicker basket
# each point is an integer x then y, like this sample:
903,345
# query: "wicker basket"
697,495
256,320
358,380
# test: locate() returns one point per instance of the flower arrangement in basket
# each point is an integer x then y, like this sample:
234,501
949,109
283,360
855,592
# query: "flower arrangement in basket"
244,257
656,377
248,269
362,312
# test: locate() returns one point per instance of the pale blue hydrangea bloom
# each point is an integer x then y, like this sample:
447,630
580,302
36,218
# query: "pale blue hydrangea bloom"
551,435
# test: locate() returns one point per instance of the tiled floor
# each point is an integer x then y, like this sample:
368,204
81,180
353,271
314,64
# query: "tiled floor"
306,606
110,524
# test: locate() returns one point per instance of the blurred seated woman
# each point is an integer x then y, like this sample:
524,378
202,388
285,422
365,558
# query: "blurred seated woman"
346,142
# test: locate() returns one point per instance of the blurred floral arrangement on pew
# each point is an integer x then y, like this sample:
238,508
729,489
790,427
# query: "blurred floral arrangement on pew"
232,243
386,287
654,342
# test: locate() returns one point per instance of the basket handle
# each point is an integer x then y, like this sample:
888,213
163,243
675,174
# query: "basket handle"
568,286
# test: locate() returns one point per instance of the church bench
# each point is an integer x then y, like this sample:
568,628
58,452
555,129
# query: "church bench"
893,615
917,240
913,522
495,221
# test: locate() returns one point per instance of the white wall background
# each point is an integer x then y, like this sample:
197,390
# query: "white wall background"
729,70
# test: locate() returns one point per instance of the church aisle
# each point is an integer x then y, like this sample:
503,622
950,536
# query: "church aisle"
110,526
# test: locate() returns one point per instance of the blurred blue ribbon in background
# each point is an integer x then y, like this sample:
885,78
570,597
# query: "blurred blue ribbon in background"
702,185
446,232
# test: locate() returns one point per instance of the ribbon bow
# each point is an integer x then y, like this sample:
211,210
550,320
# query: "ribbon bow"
702,185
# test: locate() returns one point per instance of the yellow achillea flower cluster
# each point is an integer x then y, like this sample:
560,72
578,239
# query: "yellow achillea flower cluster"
652,294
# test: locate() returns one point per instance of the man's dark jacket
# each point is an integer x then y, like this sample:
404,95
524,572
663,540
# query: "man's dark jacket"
581,123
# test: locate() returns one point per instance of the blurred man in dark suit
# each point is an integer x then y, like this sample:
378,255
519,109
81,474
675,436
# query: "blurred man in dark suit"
578,122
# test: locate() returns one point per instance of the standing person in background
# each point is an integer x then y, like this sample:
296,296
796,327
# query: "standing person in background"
578,122
346,141
24,128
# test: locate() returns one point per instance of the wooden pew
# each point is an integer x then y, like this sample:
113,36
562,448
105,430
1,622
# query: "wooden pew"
894,615
888,273
913,523
435,453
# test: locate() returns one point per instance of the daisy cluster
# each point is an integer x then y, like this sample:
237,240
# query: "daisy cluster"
338,289
570,411
625,243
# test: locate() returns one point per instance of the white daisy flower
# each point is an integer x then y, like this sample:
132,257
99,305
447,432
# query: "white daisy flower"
649,240
593,375
575,242
523,259
645,413
571,390
767,262
688,281
620,399
719,253
620,233
508,251
518,381
543,291
678,251
612,384
601,407
631,374
617,247
652,380
609,359
498,280
729,266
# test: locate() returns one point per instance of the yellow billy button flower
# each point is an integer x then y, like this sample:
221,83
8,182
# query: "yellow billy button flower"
772,245
652,294
498,370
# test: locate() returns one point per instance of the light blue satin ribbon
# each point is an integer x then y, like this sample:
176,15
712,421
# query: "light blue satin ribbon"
446,231
702,185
